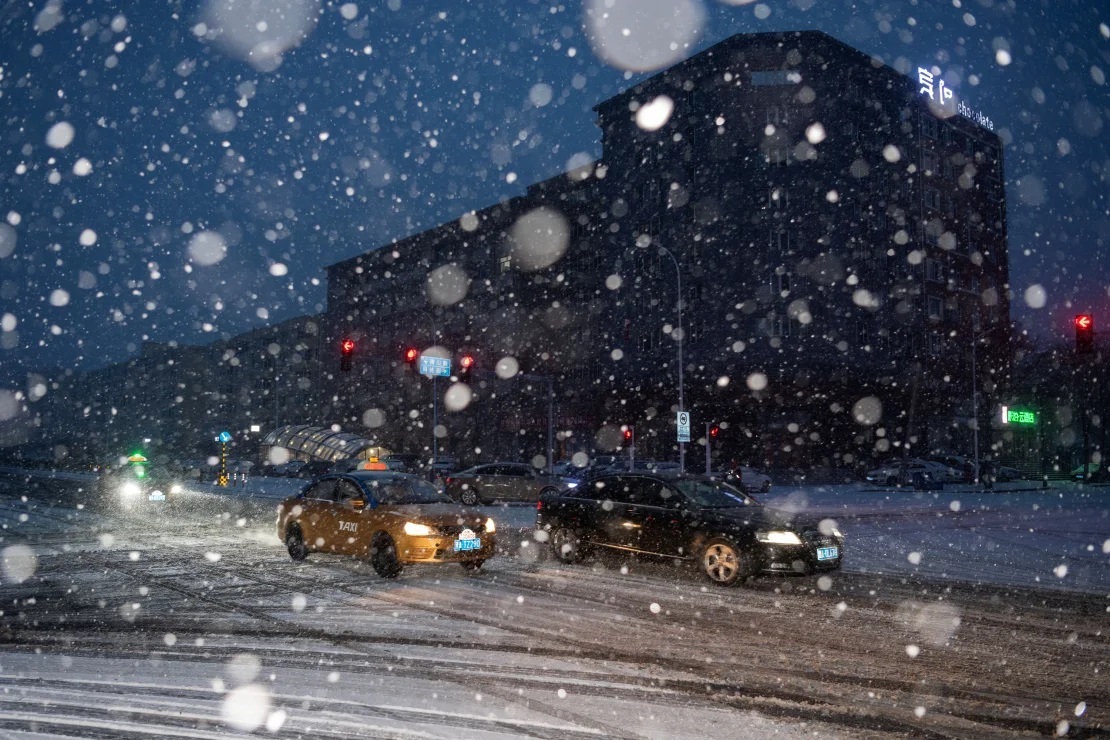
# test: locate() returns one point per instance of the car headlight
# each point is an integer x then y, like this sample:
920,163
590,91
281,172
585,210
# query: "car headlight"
779,537
417,530
571,484
490,526
130,489
836,533
175,488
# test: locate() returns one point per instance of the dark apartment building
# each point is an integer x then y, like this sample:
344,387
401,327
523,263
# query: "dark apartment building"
840,233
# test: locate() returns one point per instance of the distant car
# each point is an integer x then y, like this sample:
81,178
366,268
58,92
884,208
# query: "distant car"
1091,471
132,487
289,469
390,519
891,473
998,472
410,462
313,469
443,465
727,533
959,468
501,482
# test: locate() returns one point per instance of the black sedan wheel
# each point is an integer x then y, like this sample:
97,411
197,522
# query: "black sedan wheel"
567,545
469,496
383,556
472,565
725,564
294,543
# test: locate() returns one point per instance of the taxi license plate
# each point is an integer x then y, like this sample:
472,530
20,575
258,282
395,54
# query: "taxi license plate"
464,545
828,553
157,496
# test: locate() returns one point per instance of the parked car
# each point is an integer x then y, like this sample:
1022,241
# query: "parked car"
390,519
137,486
501,482
892,473
313,469
1091,471
290,469
959,468
994,471
727,533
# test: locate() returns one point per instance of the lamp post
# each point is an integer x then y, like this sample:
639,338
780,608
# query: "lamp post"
681,398
976,335
435,393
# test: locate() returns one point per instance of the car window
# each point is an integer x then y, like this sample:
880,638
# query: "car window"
345,490
413,491
713,494
516,471
322,491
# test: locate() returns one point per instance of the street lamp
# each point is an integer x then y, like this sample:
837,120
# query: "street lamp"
976,335
681,398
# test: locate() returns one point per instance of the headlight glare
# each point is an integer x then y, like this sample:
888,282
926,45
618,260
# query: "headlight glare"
130,489
779,537
490,526
417,530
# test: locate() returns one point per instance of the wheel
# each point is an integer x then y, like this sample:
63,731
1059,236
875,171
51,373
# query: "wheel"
725,564
472,565
766,487
567,545
383,556
891,481
294,543
469,496
549,491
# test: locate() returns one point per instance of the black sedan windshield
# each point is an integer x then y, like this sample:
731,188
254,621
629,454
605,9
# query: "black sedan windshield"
714,495
406,492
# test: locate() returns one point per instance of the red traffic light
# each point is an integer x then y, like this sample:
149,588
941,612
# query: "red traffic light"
466,362
714,431
411,354
1084,333
347,347
628,432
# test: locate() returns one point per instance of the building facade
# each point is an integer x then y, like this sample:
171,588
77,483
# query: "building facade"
840,237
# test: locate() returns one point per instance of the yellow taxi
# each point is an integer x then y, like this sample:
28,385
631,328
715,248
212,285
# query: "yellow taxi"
390,519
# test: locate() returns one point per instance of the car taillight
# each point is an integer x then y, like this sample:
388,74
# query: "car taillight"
449,480
539,505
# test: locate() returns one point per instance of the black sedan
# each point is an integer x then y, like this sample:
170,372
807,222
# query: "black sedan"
728,533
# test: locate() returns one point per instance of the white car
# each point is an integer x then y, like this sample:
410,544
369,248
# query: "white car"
750,479
891,473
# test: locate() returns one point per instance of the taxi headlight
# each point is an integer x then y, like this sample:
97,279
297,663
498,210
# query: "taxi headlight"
175,488
490,526
130,489
413,529
779,537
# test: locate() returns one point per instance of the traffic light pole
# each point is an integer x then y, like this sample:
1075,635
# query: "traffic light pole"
708,450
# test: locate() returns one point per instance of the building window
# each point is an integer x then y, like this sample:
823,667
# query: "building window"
936,343
780,326
505,263
928,126
934,270
930,163
864,334
775,77
780,283
782,241
932,198
936,307
777,198
778,155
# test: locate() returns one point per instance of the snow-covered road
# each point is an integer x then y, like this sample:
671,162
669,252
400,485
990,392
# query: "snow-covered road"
196,624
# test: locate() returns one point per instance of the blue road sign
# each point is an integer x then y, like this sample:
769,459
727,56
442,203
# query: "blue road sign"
435,366
224,437
683,422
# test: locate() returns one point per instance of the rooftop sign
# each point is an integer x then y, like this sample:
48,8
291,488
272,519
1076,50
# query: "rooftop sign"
941,94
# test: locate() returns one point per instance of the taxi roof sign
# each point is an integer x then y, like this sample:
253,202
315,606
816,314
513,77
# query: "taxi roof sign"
136,458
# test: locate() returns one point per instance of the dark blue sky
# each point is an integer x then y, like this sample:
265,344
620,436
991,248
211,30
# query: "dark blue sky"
393,116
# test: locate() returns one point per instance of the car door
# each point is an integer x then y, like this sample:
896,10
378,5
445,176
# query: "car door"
622,519
317,518
659,512
348,518
519,483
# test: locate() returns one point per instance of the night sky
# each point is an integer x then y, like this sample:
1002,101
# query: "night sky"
143,141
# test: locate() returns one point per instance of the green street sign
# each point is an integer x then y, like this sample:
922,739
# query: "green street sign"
1015,416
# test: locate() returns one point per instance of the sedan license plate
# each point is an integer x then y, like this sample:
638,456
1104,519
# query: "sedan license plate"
828,553
464,545
157,496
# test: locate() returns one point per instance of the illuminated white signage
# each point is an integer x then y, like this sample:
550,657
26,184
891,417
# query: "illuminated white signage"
941,94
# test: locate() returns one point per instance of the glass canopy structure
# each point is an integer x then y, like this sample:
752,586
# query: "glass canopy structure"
318,443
